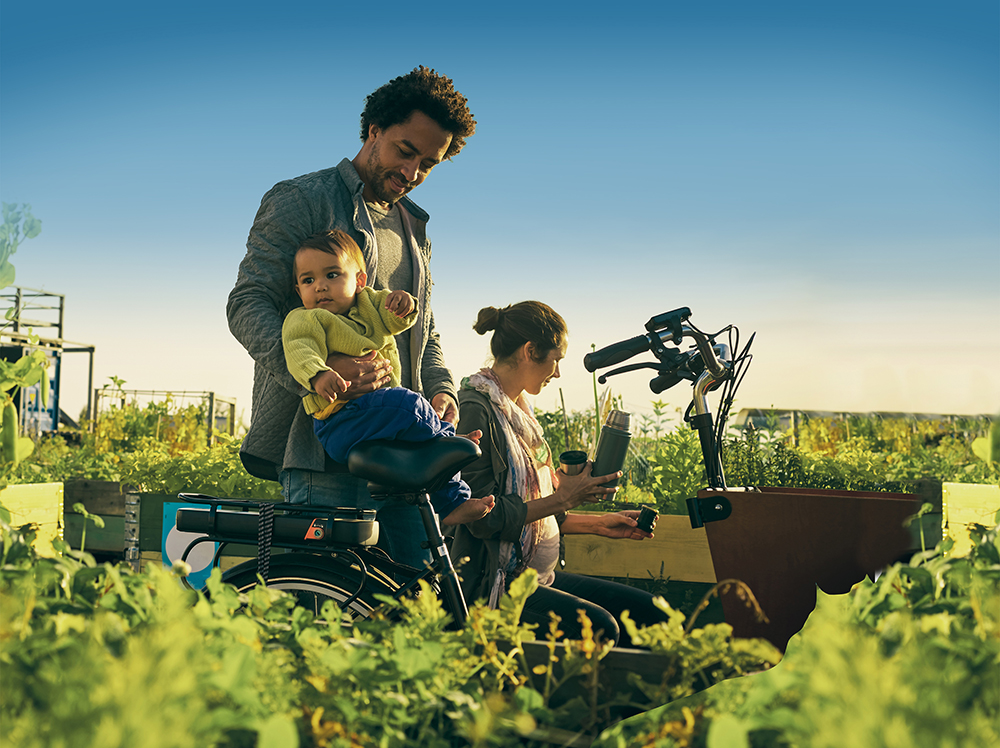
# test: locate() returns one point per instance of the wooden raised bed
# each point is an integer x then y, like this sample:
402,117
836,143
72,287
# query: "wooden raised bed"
38,504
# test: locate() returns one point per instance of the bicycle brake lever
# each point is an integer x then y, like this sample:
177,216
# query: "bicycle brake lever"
629,367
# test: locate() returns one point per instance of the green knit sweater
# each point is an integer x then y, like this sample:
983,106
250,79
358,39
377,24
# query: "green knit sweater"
310,335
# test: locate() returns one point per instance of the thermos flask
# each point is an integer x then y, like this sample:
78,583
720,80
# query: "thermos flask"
612,445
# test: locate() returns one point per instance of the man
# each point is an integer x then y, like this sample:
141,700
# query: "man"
408,127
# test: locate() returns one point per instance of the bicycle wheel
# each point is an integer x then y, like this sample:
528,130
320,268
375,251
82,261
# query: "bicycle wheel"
316,579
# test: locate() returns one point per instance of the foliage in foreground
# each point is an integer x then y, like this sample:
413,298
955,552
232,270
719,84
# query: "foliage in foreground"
101,656
911,660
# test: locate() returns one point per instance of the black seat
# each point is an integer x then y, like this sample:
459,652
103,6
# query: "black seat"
408,467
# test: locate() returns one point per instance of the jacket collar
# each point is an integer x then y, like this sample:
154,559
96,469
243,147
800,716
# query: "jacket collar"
354,184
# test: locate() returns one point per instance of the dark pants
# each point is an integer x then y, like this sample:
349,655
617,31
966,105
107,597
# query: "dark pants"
391,413
603,602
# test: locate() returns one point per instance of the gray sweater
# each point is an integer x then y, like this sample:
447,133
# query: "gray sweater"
281,434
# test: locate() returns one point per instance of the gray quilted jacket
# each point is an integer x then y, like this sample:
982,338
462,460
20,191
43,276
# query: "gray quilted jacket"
281,434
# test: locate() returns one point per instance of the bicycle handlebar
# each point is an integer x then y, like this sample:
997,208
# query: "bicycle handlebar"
654,341
616,352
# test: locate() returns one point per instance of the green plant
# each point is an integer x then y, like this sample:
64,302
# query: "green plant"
216,470
102,656
54,460
128,426
911,659
30,369
18,225
565,431
677,470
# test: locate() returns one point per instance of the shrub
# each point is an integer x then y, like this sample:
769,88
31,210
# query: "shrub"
911,659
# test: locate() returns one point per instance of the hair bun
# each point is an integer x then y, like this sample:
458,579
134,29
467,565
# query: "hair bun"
487,320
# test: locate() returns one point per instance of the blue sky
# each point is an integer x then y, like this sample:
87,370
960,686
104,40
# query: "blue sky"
827,174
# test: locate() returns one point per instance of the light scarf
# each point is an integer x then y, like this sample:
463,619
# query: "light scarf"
527,451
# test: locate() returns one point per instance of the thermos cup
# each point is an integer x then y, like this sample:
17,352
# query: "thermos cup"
572,462
612,445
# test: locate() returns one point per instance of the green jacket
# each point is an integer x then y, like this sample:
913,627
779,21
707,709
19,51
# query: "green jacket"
309,336
480,540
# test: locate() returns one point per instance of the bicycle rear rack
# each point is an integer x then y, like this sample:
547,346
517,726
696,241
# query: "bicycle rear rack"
294,527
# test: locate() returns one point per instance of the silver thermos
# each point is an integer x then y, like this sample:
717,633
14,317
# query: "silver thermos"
612,445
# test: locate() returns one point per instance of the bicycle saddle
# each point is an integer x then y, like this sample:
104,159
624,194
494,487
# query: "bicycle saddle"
393,467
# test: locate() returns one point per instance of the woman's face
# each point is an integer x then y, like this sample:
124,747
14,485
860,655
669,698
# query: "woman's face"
537,374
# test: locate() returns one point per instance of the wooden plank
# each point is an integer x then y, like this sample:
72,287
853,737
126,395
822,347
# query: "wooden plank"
39,504
965,503
102,497
107,539
676,551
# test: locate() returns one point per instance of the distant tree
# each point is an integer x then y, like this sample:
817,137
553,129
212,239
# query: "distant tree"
18,225
31,368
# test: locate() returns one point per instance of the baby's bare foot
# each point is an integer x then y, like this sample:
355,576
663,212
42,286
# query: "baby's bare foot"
469,511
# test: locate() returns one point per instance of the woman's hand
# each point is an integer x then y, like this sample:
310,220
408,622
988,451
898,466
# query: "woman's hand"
620,525
583,488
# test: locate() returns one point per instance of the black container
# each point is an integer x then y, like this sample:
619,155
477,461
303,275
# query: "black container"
612,445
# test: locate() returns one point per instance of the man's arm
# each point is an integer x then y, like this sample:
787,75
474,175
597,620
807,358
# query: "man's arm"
438,385
263,293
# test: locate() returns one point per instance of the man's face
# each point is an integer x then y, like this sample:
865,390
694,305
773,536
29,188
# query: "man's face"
400,157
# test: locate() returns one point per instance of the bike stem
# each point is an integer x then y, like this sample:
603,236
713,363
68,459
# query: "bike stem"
702,422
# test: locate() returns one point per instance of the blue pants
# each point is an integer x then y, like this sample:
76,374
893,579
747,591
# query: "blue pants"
390,413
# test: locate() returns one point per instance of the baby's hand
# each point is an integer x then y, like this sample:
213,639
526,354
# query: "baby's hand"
329,384
399,303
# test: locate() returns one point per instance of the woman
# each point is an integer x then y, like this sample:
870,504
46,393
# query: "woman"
532,499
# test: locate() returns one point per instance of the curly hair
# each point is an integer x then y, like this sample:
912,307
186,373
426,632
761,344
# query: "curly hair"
422,90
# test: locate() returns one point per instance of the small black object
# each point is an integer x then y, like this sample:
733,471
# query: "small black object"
708,509
646,519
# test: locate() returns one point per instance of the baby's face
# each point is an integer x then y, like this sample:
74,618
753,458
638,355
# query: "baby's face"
326,281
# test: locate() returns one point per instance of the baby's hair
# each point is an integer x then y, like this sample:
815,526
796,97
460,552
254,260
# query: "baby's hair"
337,243
517,324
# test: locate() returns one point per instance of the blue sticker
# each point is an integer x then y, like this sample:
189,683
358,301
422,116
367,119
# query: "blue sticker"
176,542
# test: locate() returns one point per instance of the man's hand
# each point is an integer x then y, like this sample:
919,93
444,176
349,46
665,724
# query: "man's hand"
445,407
329,384
365,373
400,303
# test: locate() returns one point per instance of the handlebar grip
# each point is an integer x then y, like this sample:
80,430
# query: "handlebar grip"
616,353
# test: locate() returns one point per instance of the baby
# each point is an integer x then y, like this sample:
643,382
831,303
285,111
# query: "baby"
339,314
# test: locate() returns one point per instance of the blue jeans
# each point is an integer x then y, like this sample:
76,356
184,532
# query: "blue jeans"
391,413
400,528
